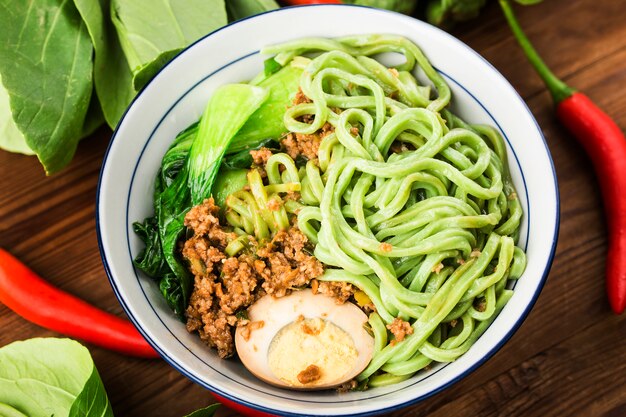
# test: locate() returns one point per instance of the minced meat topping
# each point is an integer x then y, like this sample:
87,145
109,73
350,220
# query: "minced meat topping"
400,329
306,145
341,291
224,285
260,156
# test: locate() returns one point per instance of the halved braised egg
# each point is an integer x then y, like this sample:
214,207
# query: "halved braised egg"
304,341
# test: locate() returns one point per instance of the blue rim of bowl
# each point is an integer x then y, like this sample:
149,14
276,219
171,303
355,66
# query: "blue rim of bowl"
411,401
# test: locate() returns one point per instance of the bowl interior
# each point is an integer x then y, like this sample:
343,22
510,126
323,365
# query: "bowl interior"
176,98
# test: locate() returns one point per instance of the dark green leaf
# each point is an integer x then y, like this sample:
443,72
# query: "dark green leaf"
446,12
239,9
242,314
46,67
112,76
145,73
170,287
243,159
270,66
94,117
402,6
170,208
176,155
205,412
150,260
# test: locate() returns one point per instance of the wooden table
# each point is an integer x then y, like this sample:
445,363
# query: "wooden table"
567,359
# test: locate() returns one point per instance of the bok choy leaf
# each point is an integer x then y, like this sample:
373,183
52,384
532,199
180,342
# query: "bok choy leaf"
151,32
229,108
267,122
46,377
188,173
46,68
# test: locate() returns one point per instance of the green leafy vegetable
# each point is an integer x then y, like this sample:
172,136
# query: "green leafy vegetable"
402,6
151,32
11,139
270,66
112,76
267,122
46,68
175,157
227,182
446,12
239,9
187,176
243,159
150,259
50,377
205,412
229,108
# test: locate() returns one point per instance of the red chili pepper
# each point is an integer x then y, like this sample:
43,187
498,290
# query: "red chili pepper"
33,298
605,144
37,301
303,2
249,412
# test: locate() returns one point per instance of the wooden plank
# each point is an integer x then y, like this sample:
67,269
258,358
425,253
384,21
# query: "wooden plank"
570,35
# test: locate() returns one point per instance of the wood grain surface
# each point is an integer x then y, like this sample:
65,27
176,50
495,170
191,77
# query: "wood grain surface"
567,359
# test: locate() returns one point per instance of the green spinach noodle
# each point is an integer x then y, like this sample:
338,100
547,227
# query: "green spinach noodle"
429,233
404,200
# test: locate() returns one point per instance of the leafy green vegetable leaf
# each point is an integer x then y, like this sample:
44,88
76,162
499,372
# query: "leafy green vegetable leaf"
205,412
227,182
446,12
267,122
229,108
176,155
402,6
148,71
243,159
270,66
92,400
528,2
112,76
239,9
150,260
46,67
8,411
50,377
11,139
152,31
94,117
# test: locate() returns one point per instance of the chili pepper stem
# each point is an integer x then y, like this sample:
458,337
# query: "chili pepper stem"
558,89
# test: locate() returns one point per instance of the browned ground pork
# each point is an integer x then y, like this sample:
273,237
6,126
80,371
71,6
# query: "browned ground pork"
341,291
224,285
307,145
400,329
260,157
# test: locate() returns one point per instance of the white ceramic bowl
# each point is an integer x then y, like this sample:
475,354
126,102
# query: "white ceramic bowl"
176,97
